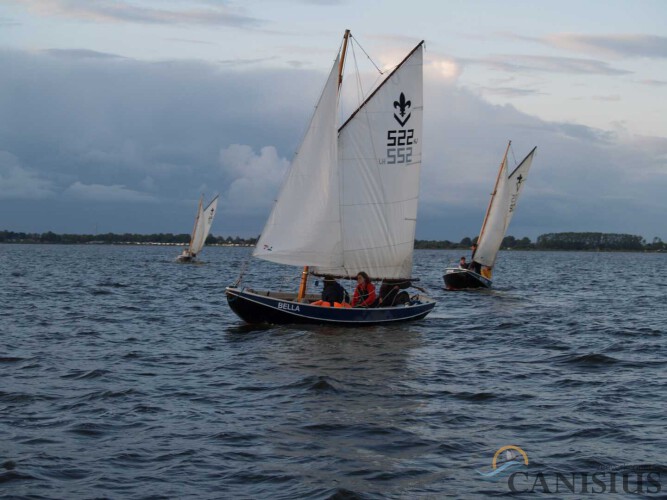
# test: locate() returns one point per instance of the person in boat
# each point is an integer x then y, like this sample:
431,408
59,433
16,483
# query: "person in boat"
333,291
390,293
364,294
462,263
474,266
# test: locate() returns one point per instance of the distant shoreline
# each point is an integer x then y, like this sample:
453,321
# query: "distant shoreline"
245,245
588,242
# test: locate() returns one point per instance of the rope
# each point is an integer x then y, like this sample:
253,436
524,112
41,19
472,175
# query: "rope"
244,267
369,57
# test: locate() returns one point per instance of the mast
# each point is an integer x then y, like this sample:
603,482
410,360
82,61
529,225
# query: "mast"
194,229
493,195
341,64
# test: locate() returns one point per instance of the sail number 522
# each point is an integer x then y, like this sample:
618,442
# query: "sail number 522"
399,146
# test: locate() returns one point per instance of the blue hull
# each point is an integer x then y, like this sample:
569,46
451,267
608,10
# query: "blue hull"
260,307
461,279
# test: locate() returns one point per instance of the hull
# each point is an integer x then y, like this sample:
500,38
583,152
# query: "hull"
461,279
281,308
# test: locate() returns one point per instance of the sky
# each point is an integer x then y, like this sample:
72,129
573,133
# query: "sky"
115,116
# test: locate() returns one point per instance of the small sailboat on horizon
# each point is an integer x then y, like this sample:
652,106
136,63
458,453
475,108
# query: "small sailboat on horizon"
203,223
499,213
348,204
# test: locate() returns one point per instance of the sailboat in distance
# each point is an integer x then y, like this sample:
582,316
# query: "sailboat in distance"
348,204
501,208
203,223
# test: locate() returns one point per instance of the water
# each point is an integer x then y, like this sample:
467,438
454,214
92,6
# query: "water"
125,375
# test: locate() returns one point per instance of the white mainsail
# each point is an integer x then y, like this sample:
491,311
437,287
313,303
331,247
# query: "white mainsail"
349,203
203,226
501,209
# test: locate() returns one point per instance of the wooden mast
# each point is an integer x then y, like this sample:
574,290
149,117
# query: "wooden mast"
493,195
194,229
341,64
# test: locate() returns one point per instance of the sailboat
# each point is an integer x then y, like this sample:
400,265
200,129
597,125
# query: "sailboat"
499,213
202,227
348,203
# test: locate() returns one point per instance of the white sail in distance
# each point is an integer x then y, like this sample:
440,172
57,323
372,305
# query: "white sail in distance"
203,226
349,200
517,180
501,210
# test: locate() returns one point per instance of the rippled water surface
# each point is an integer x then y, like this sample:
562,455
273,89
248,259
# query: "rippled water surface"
125,375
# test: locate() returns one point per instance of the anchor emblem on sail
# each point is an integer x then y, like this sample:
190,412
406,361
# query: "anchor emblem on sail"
402,104
519,180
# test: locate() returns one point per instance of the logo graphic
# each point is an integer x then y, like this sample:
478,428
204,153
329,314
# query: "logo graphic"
502,463
402,105
268,248
519,180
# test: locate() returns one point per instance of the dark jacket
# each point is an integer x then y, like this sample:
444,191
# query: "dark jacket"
334,292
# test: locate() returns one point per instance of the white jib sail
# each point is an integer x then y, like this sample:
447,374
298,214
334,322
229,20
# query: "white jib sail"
304,226
501,210
204,223
379,157
517,179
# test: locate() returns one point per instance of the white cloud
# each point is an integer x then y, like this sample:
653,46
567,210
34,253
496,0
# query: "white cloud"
256,178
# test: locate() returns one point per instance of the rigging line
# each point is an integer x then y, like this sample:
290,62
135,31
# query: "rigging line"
513,157
360,88
244,266
369,57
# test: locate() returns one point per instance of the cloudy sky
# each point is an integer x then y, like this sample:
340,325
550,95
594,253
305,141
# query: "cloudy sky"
116,115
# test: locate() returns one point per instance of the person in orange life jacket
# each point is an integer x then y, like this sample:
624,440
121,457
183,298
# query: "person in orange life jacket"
333,291
364,294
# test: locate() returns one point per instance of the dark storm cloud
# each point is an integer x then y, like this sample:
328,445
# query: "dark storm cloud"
81,54
128,146
76,129
582,179
244,62
117,11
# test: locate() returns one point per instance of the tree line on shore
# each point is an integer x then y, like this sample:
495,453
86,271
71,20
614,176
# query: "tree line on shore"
550,241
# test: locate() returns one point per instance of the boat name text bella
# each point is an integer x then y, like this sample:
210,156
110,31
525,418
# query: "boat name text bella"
288,307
